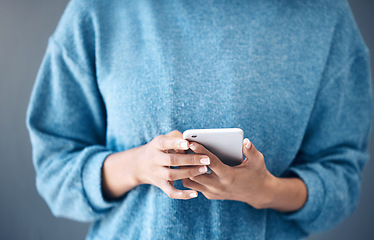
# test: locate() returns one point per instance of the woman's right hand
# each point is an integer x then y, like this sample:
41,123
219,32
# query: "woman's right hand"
151,164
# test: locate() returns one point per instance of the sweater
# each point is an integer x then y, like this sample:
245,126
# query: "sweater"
294,75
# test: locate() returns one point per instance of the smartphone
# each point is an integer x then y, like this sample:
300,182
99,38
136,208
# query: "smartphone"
225,143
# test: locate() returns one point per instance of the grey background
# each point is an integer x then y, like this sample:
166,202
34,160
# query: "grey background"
24,30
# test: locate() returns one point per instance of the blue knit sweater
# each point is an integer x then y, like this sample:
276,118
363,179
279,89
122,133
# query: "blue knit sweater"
294,75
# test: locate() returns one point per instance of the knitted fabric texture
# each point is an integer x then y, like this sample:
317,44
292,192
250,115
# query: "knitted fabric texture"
294,75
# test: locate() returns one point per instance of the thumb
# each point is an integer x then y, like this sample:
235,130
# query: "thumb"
249,149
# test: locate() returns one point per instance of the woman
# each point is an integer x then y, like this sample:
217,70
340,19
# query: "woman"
121,80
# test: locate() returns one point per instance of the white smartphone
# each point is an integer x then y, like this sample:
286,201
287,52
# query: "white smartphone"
225,143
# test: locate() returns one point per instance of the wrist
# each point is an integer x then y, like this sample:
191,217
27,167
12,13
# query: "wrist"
286,194
136,173
265,195
118,174
129,165
268,194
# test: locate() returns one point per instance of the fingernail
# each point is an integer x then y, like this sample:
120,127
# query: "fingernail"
192,146
205,161
203,169
248,143
193,195
183,144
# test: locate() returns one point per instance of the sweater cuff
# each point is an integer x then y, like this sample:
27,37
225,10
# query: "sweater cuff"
316,195
91,177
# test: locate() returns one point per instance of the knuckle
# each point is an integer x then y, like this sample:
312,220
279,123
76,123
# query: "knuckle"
169,175
162,142
158,140
175,131
169,193
165,189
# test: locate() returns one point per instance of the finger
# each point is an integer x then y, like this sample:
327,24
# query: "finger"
215,164
188,183
249,150
186,172
180,151
172,192
173,159
174,151
207,180
177,134
163,142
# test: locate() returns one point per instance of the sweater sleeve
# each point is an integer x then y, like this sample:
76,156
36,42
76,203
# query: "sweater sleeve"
66,120
334,149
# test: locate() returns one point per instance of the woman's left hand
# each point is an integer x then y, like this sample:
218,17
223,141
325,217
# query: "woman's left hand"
248,182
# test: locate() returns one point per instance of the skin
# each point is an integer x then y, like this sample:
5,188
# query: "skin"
250,182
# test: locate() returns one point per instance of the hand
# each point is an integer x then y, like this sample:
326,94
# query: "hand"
249,182
232,183
150,164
